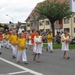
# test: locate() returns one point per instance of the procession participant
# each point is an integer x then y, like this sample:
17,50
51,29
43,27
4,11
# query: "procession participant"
20,29
62,34
32,38
21,49
25,36
66,40
37,46
1,38
50,44
13,41
30,43
2,42
7,37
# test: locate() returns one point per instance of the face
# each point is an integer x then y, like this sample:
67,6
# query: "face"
66,34
37,33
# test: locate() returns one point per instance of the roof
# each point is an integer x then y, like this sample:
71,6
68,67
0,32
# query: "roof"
33,11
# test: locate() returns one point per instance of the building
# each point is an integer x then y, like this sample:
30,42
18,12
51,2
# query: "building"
33,23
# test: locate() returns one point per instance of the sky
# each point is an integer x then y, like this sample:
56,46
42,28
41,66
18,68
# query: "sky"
16,10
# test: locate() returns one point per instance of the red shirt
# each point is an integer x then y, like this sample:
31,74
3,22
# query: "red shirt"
25,36
1,36
32,37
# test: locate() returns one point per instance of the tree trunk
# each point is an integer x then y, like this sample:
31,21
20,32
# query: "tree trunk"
53,29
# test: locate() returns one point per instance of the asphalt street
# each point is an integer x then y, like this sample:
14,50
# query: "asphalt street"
51,64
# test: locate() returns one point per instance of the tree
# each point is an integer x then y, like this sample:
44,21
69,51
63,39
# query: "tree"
54,10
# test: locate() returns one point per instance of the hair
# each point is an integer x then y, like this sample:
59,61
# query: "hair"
33,30
65,32
38,32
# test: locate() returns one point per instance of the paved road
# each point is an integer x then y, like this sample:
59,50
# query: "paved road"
51,64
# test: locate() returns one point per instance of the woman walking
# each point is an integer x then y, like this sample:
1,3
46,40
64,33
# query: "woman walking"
37,46
66,40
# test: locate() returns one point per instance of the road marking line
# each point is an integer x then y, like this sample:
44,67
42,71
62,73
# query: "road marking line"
17,72
21,67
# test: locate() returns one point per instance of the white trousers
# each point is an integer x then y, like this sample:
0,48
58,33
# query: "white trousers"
21,54
7,44
14,50
50,45
2,43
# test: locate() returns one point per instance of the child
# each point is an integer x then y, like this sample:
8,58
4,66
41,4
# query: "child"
30,43
66,40
1,37
13,41
21,49
50,45
37,46
7,37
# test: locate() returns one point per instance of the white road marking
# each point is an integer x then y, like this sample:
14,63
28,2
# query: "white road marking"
17,72
21,67
13,73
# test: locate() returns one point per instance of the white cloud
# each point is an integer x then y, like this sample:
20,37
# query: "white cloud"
17,9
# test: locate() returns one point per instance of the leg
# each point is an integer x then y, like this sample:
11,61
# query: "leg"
67,56
13,51
34,57
24,57
19,54
48,47
8,44
64,56
38,57
51,47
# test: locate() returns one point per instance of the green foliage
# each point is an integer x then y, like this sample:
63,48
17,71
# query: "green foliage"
54,10
58,46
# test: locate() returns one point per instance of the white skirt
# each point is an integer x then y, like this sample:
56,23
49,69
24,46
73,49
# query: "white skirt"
65,46
39,50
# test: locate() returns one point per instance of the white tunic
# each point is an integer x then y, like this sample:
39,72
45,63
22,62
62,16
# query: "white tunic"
65,45
20,30
62,42
37,48
30,43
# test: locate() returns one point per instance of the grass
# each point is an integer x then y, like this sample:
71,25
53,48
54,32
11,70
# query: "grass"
58,46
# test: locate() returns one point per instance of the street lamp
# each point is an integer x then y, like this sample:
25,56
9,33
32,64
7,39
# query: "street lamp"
10,17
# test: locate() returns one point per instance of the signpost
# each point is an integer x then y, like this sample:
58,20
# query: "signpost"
72,5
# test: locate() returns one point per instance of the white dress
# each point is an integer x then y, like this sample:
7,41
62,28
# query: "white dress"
65,45
30,43
62,42
37,48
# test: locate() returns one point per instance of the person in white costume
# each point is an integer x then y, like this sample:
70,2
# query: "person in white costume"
20,30
66,40
37,46
62,34
30,43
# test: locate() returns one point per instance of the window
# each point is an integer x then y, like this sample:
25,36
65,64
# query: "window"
47,22
74,30
67,29
28,25
31,24
74,19
41,23
47,30
66,20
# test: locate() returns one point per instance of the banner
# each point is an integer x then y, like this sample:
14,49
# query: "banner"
72,5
